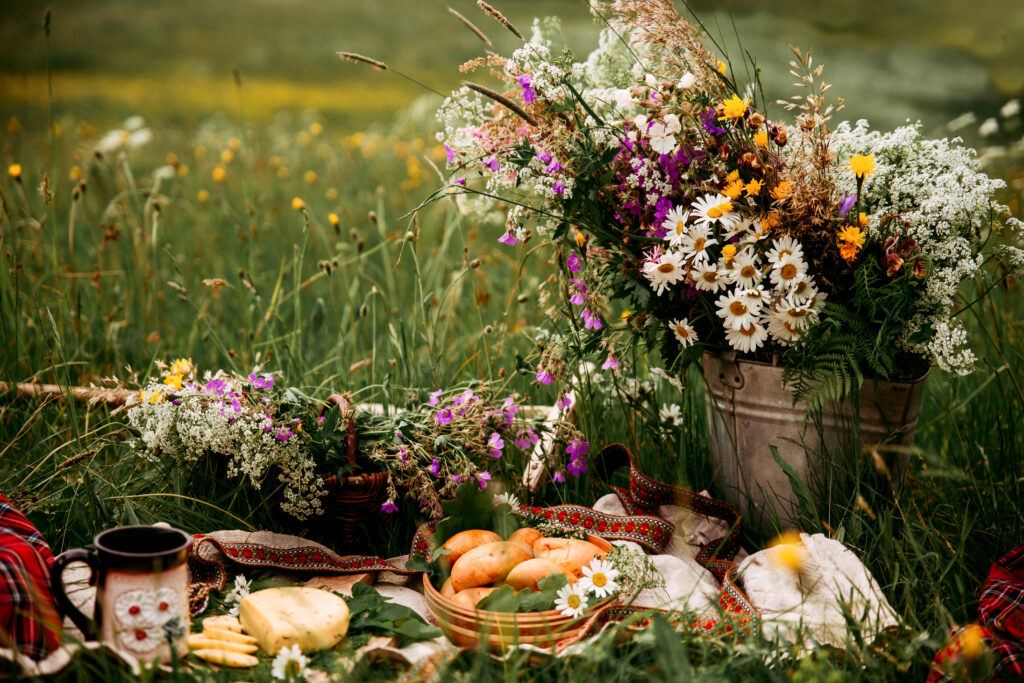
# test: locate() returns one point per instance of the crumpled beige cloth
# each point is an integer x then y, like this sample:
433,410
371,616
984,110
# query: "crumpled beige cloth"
808,605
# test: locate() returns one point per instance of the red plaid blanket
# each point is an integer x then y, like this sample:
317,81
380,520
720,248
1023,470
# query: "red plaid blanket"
1001,618
29,622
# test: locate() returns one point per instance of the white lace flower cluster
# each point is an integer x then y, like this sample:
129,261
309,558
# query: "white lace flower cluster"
217,417
938,188
765,291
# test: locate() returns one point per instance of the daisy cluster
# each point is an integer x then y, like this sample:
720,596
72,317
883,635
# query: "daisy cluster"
597,583
185,418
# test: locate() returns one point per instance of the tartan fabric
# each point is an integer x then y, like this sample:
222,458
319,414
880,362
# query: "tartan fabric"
1001,619
29,622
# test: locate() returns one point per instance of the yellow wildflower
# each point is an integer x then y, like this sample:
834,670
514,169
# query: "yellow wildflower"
171,159
625,315
862,166
862,220
304,139
722,67
848,251
227,156
316,129
182,366
182,170
729,251
735,175
581,239
156,397
298,204
782,191
972,641
852,235
173,381
310,177
720,210
761,138
334,220
788,551
14,170
234,144
734,108
282,173
771,220
203,196
219,174
332,194
753,187
733,190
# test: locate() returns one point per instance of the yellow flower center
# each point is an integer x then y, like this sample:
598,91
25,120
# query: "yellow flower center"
666,268
719,210
737,308
710,276
788,271
599,580
682,332
698,244
747,330
800,288
680,226
573,601
748,272
797,312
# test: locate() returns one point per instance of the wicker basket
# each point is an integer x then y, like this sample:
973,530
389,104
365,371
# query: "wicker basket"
471,627
351,501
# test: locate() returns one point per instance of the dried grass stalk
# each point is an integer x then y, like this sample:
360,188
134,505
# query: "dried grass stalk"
501,99
500,18
469,24
354,57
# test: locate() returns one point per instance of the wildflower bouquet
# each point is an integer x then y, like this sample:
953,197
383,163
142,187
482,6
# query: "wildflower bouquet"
660,180
260,431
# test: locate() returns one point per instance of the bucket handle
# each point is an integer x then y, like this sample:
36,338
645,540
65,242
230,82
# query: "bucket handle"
729,371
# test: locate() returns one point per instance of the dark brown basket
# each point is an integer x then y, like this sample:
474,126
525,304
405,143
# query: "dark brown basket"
351,501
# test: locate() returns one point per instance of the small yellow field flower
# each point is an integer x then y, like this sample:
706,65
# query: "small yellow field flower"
75,174
182,366
334,220
298,204
788,551
734,108
156,397
625,315
171,159
282,173
203,196
581,239
972,641
234,144
14,170
753,188
733,176
310,177
227,156
761,138
862,166
304,139
862,220
182,170
733,190
173,381
782,191
332,194
316,129
219,174
722,67
729,251
852,235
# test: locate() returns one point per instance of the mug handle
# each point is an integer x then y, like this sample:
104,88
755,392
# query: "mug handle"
82,621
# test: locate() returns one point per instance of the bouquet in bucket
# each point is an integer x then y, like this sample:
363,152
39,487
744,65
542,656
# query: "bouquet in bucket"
719,222
269,435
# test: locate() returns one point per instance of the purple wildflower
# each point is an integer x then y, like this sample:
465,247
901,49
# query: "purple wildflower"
495,444
509,238
450,152
525,438
321,418
435,467
610,363
577,466
403,454
710,123
544,157
464,397
435,397
460,181
457,478
529,94
264,382
577,449
575,263
848,202
593,320
553,167
443,417
492,163
558,188
545,377
565,401
284,433
389,506
483,478
558,477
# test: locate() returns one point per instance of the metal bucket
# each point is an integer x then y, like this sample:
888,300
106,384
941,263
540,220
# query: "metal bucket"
749,410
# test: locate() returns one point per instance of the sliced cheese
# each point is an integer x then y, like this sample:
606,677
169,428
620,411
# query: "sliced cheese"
199,641
235,660
311,618
223,621
218,633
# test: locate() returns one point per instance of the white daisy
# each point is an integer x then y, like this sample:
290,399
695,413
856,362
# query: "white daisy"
665,270
599,578
802,290
669,413
747,338
715,208
744,270
675,224
696,242
571,600
748,229
135,609
782,329
141,640
796,315
289,664
782,247
788,270
684,332
735,311
754,298
166,605
507,498
707,278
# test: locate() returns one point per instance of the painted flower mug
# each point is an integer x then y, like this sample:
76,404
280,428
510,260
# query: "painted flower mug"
141,579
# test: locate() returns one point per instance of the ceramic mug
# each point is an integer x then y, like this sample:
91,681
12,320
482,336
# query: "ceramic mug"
141,579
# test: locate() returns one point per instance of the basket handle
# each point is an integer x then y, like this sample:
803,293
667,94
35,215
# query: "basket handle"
344,407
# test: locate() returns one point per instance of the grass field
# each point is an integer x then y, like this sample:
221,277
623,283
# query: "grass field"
189,245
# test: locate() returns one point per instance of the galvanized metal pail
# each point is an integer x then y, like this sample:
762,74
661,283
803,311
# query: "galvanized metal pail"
750,410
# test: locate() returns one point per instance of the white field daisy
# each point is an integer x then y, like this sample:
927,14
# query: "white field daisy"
707,278
715,208
782,247
289,664
796,315
665,270
788,271
675,222
507,498
599,578
802,290
747,338
744,270
733,309
696,242
683,331
571,600
669,413
781,329
748,229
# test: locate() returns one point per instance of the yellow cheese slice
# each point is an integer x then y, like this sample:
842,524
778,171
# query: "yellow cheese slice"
223,621
199,641
311,618
218,633
235,660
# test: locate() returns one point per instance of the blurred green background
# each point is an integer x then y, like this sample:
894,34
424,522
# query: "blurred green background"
171,60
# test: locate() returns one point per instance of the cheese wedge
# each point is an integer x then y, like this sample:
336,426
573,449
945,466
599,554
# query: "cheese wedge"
236,660
199,641
223,621
311,618
230,636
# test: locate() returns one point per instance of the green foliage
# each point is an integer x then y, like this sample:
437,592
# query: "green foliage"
505,599
371,614
474,508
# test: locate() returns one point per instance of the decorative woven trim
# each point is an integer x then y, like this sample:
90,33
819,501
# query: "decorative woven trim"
651,532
